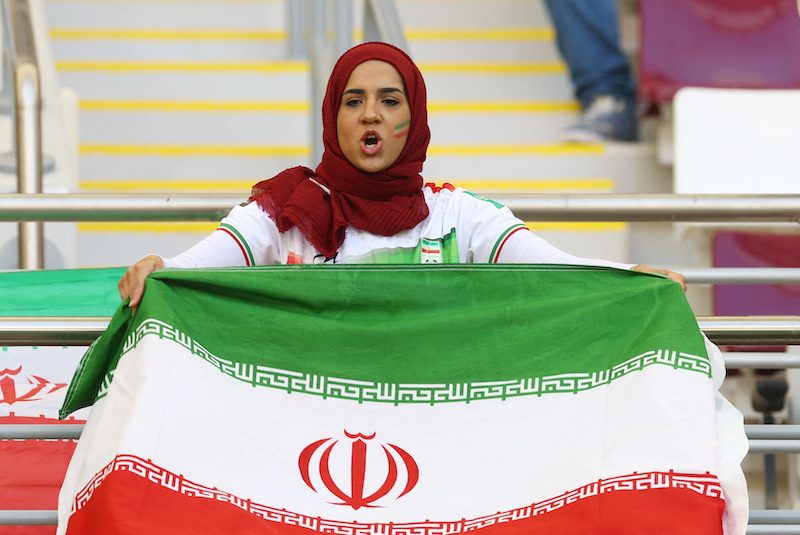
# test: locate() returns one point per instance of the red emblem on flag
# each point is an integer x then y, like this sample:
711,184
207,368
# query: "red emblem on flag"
36,386
395,457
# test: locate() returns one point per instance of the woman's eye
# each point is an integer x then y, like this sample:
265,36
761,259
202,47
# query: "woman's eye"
352,102
391,102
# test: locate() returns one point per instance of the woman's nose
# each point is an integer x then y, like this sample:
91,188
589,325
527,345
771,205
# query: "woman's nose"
370,113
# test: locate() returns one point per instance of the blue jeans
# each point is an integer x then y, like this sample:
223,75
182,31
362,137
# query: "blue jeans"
587,33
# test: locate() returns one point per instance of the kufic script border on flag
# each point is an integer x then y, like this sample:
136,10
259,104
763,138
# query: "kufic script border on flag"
381,392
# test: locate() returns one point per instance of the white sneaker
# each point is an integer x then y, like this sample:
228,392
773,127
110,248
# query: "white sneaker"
608,118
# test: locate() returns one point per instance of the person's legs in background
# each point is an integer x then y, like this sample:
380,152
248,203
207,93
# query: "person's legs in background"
587,33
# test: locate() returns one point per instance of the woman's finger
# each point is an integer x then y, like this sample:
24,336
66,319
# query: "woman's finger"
671,275
132,282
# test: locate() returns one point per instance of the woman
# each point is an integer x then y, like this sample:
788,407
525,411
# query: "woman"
365,202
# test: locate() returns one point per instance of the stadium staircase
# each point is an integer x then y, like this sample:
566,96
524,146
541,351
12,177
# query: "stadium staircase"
184,96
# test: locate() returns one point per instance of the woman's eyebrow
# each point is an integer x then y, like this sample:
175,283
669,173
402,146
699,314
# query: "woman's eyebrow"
355,91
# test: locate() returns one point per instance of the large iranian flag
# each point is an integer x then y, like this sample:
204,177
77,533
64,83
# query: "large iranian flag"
33,382
404,400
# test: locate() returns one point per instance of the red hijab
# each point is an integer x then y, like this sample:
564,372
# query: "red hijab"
383,203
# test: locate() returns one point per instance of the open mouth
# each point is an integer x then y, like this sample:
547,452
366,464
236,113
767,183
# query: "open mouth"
371,143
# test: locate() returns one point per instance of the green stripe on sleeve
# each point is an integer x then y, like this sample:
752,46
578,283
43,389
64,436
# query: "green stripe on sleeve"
499,241
242,241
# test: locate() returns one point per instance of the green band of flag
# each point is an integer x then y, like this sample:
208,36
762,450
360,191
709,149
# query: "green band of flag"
279,327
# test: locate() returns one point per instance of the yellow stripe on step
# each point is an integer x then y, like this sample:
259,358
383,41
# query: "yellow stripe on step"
298,66
209,226
236,186
233,186
288,106
555,149
418,34
296,106
204,227
558,149
164,1
520,106
576,226
480,34
492,68
195,150
166,35
506,186
184,66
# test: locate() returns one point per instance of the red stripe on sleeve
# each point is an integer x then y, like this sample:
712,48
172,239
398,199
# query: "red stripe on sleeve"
241,248
503,243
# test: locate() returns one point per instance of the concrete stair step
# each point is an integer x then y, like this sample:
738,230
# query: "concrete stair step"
493,50
530,86
499,128
98,249
169,50
632,167
105,167
285,81
472,13
150,44
164,128
196,14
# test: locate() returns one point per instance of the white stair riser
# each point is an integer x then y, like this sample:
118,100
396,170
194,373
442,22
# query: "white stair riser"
472,13
152,50
197,15
223,86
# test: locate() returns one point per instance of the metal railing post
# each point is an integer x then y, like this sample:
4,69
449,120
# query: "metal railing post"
28,126
344,26
320,67
296,12
382,23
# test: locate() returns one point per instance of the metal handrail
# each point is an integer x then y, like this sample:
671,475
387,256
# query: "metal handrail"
756,433
751,330
48,331
761,361
661,207
115,207
740,275
41,431
27,123
773,529
732,330
762,522
775,516
540,207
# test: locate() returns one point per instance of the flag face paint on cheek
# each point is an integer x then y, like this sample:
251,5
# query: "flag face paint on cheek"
401,129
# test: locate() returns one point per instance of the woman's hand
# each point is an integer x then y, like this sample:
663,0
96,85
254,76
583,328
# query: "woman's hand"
671,275
132,283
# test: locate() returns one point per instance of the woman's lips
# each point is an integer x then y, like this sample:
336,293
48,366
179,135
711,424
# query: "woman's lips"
371,150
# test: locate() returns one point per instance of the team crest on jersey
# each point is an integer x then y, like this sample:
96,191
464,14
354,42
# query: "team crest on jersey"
430,251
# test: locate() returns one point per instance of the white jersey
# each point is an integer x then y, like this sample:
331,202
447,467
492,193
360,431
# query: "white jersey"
461,227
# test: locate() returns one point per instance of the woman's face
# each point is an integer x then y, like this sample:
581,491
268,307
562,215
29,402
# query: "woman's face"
374,118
